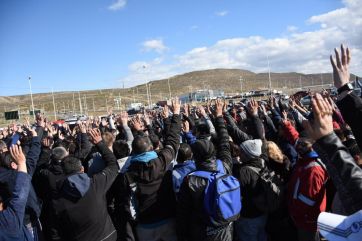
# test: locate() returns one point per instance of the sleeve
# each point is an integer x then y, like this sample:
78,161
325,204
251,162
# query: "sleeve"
12,217
238,135
351,109
172,142
342,169
190,138
105,178
257,124
33,155
223,152
85,146
129,136
211,127
290,133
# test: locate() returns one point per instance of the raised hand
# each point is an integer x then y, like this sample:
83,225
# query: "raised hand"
321,125
123,118
176,106
146,119
253,107
202,111
95,135
340,66
165,112
186,110
219,107
185,126
136,123
19,157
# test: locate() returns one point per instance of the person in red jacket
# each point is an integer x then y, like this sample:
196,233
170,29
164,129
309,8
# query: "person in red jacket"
306,187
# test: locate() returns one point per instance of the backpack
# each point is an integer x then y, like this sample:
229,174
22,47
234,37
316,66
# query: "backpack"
271,190
179,172
222,199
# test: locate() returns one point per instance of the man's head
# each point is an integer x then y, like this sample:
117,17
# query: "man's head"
121,149
7,161
59,153
155,141
184,153
304,146
108,138
251,149
5,195
203,150
72,165
141,144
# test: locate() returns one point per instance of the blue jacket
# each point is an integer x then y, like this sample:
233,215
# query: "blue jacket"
33,206
11,218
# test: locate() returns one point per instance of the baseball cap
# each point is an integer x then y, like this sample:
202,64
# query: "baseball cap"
336,227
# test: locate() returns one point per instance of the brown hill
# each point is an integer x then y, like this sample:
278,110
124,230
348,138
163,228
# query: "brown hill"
224,79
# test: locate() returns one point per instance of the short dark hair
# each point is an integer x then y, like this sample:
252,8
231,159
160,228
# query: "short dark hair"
5,193
71,165
6,160
121,149
184,153
141,144
155,141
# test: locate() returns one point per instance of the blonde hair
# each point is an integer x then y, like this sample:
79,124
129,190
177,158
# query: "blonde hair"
274,152
108,138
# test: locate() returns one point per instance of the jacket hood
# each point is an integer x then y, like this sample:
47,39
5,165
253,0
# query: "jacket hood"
144,157
76,186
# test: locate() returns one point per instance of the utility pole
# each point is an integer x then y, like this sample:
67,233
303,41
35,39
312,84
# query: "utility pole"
55,111
73,104
270,85
31,97
241,84
80,104
169,87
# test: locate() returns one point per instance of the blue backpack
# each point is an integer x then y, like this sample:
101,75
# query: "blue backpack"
222,199
179,172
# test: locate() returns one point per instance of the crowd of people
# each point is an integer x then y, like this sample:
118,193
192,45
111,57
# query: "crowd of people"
254,171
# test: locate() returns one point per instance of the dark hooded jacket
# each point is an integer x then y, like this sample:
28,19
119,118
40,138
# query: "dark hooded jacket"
147,171
191,222
79,202
11,219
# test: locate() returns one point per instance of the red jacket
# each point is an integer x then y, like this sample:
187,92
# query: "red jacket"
307,193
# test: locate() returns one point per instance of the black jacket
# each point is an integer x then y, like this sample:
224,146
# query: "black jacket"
79,202
344,172
152,193
191,222
248,183
351,110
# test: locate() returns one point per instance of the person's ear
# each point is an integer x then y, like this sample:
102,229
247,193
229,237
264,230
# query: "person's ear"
13,166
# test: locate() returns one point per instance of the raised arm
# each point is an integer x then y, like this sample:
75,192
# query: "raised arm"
341,167
105,178
33,154
223,148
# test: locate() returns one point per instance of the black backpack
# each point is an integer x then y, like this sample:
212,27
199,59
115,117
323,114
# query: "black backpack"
271,190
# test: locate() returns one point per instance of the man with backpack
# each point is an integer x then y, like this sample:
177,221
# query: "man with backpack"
197,217
252,221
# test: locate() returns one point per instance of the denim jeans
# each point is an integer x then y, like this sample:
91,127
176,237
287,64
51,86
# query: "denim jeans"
251,229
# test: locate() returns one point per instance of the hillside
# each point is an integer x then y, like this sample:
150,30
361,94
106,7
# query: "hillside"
225,79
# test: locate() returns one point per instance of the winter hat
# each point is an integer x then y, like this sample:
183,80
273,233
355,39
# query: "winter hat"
202,149
340,228
59,153
252,148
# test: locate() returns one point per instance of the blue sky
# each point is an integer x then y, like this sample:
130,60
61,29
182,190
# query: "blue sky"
83,44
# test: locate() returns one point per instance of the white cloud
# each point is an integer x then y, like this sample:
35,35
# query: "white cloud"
154,45
222,13
305,52
292,28
117,5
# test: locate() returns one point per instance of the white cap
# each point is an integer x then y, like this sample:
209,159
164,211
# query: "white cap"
340,228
